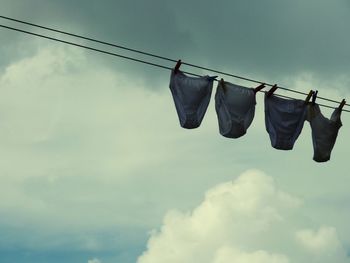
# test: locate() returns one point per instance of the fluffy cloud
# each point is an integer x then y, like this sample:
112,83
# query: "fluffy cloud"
248,220
94,260
229,254
322,242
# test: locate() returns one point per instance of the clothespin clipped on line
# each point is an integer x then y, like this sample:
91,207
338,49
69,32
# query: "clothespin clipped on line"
272,90
342,103
222,83
177,66
314,96
309,96
260,87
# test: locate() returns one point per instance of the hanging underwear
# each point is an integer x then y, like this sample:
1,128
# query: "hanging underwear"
324,132
191,97
235,109
284,120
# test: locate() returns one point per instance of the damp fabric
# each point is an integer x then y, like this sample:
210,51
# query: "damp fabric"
284,120
191,96
235,109
324,131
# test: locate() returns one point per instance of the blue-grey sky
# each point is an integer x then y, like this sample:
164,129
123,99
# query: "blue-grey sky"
94,166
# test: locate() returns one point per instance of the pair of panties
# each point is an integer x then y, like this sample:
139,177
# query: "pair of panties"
324,132
191,97
235,109
284,120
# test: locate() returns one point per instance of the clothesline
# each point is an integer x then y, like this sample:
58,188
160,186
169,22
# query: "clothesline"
157,56
145,53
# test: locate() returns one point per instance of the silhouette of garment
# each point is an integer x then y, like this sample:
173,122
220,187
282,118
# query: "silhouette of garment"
284,120
235,109
324,131
191,97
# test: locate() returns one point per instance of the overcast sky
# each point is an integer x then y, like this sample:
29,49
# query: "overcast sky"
94,166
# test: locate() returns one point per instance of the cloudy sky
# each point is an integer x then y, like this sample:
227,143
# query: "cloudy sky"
95,168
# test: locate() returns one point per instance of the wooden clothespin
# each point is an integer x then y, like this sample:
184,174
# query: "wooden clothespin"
314,96
177,66
308,97
272,90
222,83
260,87
342,103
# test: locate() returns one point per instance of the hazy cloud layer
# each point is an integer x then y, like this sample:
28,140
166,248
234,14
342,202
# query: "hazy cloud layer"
268,39
94,260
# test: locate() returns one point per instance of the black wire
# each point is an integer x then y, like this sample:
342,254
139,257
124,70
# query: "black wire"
118,55
88,38
93,49
287,97
323,105
161,57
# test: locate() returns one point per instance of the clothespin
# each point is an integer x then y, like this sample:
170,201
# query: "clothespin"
260,87
314,96
177,66
272,90
342,103
222,83
309,96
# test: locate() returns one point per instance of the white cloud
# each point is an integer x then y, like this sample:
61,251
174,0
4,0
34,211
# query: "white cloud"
322,241
248,220
229,254
94,260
